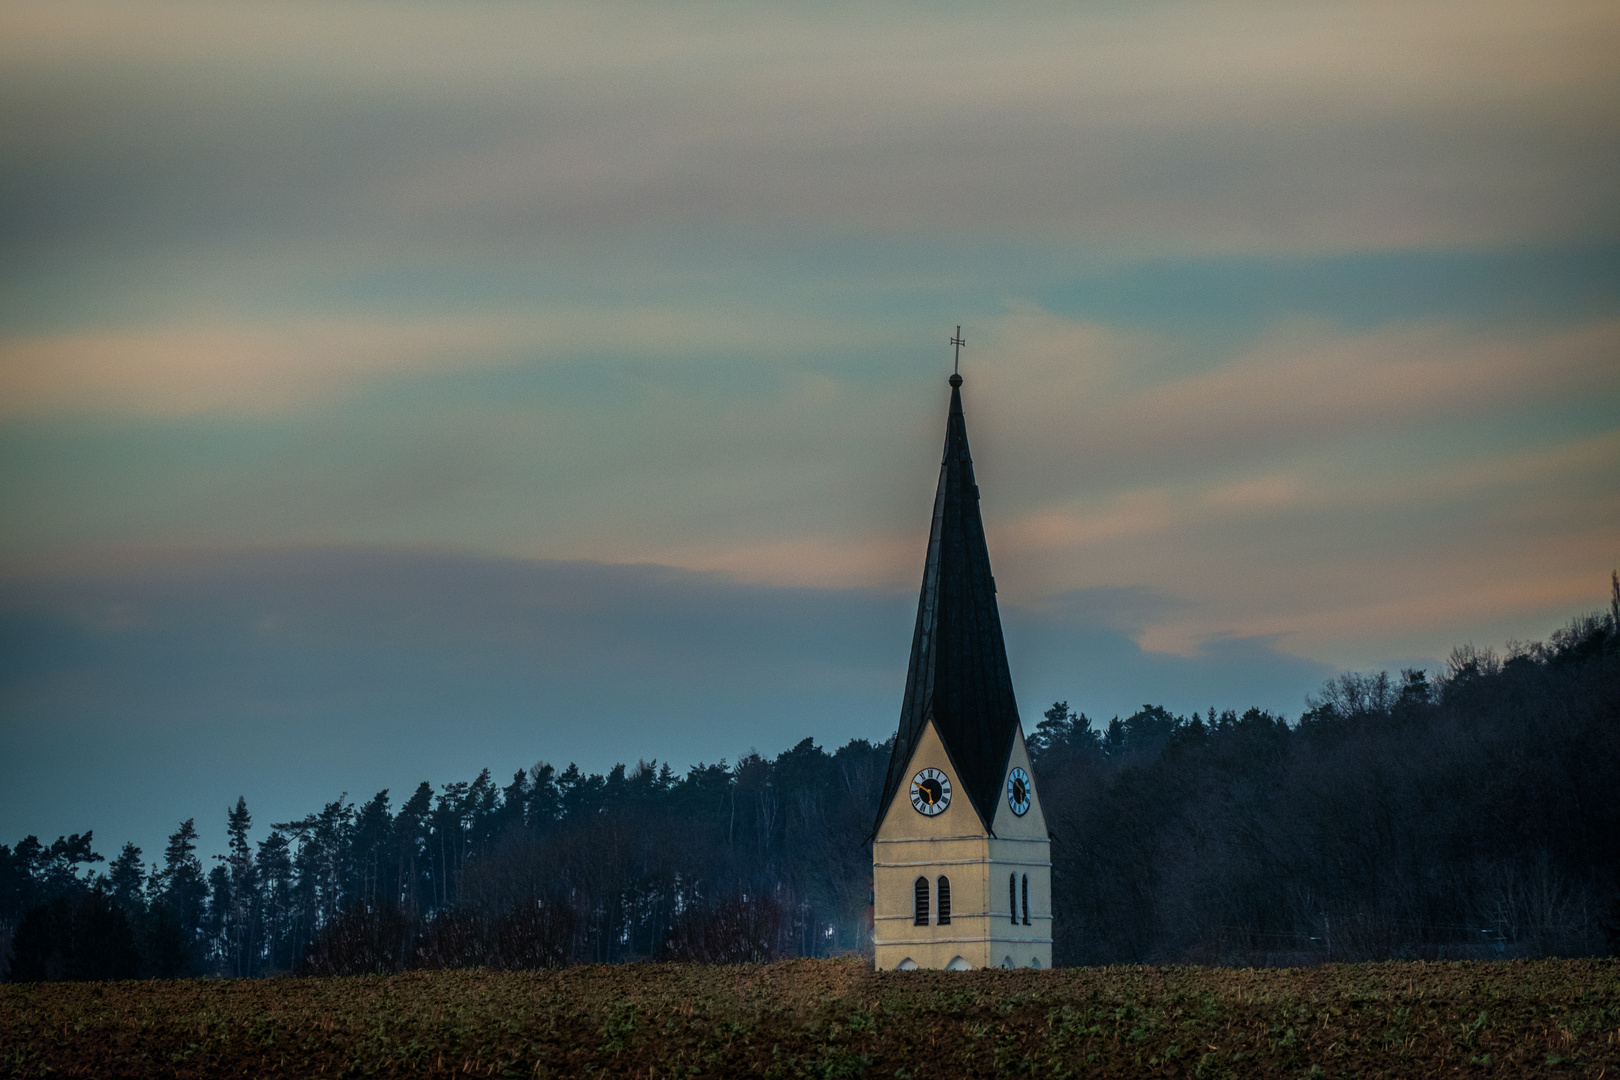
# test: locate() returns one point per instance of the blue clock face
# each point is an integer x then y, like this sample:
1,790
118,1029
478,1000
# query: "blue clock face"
1018,791
930,792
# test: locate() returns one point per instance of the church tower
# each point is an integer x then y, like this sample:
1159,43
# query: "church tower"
961,859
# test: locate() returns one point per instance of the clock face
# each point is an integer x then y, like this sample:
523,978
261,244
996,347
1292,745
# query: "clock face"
1018,790
930,792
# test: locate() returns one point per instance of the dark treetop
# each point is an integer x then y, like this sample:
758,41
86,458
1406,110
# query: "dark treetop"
958,676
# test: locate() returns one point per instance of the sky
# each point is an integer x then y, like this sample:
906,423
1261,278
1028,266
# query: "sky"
388,391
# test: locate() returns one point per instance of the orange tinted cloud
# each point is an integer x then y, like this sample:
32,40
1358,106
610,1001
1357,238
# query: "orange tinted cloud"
258,368
1127,402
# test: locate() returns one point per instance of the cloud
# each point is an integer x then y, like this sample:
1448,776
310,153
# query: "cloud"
1128,410
182,371
1155,127
1351,494
1597,454
1386,608
1310,378
1127,608
813,561
1129,514
139,690
1255,494
1315,483
252,369
665,284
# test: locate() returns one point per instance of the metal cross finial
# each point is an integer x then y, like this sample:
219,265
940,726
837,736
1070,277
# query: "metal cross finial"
958,341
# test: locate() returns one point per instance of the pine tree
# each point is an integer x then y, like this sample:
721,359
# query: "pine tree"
412,833
276,890
545,802
182,892
449,840
514,803
59,868
25,871
217,920
322,872
239,916
371,856
126,882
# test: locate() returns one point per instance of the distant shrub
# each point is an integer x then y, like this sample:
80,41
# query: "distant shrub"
536,935
736,929
361,941
381,940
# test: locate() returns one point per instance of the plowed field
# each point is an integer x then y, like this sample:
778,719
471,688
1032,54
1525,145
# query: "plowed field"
830,1018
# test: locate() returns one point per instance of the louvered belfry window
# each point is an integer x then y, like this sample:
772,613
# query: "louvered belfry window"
921,917
944,900
1026,899
1012,897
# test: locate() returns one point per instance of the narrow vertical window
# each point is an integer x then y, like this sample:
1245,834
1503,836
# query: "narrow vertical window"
1012,897
1026,899
921,917
944,900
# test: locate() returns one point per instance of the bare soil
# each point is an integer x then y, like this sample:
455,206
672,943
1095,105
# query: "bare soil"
835,1018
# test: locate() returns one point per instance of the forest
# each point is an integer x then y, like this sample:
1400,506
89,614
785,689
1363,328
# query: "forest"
1470,813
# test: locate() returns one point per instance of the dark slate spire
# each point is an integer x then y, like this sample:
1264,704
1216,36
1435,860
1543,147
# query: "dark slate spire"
958,676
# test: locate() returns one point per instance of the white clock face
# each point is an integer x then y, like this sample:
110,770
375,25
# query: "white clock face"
1018,791
930,792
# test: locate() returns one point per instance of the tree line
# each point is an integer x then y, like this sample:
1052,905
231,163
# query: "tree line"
1466,815
727,862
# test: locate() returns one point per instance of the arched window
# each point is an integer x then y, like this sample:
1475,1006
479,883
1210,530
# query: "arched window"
921,918
1012,897
944,900
1026,899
